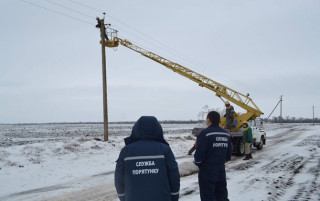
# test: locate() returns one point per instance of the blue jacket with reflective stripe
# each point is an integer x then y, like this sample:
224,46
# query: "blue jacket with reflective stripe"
213,147
146,169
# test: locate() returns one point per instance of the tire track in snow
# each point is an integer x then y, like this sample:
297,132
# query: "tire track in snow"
287,174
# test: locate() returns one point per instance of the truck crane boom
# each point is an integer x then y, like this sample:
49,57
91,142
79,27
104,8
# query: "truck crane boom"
243,101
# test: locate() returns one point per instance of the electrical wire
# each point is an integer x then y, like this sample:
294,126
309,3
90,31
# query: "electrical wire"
73,10
57,12
172,50
78,19
86,6
150,49
74,18
196,64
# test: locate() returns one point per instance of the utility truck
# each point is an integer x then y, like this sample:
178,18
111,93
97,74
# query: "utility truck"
258,134
223,92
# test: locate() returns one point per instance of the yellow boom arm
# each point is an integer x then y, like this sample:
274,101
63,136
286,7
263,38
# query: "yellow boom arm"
239,99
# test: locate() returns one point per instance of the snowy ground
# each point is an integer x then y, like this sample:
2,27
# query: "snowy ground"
67,162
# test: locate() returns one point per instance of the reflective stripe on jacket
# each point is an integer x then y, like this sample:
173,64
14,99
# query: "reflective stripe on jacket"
146,168
213,147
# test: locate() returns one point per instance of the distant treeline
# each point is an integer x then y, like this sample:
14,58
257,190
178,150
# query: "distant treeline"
288,119
51,123
271,120
163,122
118,122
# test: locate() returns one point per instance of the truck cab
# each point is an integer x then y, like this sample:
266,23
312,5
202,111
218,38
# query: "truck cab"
258,134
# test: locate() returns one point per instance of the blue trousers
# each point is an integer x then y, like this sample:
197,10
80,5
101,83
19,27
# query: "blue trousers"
213,183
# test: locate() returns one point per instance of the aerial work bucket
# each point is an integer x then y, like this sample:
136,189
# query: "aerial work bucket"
108,34
112,39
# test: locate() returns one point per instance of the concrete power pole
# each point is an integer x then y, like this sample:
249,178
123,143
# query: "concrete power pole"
279,102
313,114
104,77
281,109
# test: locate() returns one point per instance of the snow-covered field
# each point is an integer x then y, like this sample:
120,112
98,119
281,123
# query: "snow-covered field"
68,162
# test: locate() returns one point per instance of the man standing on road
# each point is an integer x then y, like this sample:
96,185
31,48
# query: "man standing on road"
212,151
247,140
146,169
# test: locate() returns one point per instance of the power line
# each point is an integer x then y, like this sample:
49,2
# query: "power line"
57,12
81,4
172,50
194,63
175,52
151,43
197,65
73,10
118,28
91,8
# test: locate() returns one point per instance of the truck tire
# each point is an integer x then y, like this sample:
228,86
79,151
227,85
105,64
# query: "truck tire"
260,145
240,147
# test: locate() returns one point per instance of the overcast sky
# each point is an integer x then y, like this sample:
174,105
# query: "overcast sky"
51,57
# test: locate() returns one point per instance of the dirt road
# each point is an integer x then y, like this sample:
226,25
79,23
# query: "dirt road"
280,171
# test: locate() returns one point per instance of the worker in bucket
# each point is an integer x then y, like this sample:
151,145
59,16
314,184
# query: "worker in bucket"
229,114
146,168
213,150
247,140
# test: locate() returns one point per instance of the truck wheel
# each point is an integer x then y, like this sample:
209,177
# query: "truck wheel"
260,146
240,147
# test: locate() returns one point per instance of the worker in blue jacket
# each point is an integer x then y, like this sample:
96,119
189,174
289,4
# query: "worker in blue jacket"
212,151
146,169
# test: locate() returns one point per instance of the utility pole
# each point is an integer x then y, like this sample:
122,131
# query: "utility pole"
281,109
313,114
104,76
280,101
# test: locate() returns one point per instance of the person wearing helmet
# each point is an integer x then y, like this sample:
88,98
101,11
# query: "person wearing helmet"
229,114
247,140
